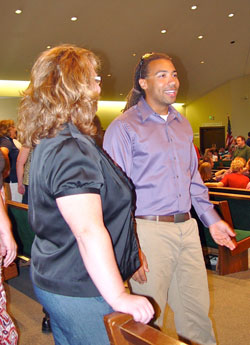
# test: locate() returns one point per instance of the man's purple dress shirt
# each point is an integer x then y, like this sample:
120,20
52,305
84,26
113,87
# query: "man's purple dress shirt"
160,158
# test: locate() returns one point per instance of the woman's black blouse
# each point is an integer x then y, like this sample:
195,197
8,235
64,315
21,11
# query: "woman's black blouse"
72,164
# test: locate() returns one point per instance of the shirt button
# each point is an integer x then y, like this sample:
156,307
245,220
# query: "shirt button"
177,176
179,195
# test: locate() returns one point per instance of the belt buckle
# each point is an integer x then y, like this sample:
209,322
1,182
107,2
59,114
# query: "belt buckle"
179,217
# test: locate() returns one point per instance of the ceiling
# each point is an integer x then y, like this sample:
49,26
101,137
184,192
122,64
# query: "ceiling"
115,30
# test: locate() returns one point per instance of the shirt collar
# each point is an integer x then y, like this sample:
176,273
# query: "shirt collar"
145,111
74,131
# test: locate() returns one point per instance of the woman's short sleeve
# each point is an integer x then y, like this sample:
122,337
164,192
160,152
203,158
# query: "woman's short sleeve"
74,168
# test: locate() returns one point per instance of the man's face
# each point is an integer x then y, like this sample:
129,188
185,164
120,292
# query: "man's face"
240,142
161,85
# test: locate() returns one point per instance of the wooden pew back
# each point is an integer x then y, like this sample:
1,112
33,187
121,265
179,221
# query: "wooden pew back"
229,190
239,206
123,330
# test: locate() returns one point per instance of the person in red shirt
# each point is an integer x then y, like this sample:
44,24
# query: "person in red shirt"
235,179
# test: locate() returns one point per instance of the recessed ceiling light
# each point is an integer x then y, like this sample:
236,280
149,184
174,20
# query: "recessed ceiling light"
163,31
48,47
231,15
200,37
18,11
202,62
121,94
194,7
134,54
109,75
73,19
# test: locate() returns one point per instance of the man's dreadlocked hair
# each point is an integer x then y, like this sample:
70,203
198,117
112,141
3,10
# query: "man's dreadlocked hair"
141,72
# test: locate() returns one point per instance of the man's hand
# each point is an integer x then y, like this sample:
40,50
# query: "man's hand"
140,275
21,189
222,233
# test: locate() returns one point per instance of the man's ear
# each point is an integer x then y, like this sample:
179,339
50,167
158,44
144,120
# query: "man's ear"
143,84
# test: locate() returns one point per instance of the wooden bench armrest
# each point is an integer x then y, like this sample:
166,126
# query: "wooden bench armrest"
17,204
241,246
123,330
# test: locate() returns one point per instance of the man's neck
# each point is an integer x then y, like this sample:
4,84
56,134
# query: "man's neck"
161,110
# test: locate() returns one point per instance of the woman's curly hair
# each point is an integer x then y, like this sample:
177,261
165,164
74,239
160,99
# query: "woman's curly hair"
62,89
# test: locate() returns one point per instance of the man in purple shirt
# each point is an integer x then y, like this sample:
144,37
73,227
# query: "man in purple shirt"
153,144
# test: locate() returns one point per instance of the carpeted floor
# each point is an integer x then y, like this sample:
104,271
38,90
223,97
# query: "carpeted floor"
230,309
27,315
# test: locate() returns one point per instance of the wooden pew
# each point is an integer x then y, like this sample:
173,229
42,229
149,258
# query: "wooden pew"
231,261
229,190
239,205
123,330
235,210
23,234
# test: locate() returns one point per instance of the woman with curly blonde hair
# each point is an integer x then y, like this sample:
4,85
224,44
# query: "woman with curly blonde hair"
235,179
79,202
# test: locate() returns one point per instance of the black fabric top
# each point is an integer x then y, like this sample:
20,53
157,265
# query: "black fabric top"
13,153
70,164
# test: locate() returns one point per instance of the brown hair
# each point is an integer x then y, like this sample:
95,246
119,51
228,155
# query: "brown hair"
241,137
205,170
5,126
61,90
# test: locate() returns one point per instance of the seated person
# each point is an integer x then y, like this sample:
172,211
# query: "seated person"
205,171
214,151
246,170
235,179
224,154
223,172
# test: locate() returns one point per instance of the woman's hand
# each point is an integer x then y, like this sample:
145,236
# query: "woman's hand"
137,306
8,248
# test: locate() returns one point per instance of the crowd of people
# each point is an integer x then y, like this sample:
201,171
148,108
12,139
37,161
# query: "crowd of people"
90,234
236,176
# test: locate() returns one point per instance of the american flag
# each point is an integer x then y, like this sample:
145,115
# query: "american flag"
229,139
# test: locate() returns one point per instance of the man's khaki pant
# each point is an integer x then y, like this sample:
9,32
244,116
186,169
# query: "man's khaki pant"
177,275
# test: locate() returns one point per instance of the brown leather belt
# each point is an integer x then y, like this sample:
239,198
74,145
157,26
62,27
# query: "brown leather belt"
175,218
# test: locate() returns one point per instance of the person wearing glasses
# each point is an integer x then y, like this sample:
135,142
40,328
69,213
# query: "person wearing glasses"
79,202
153,145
